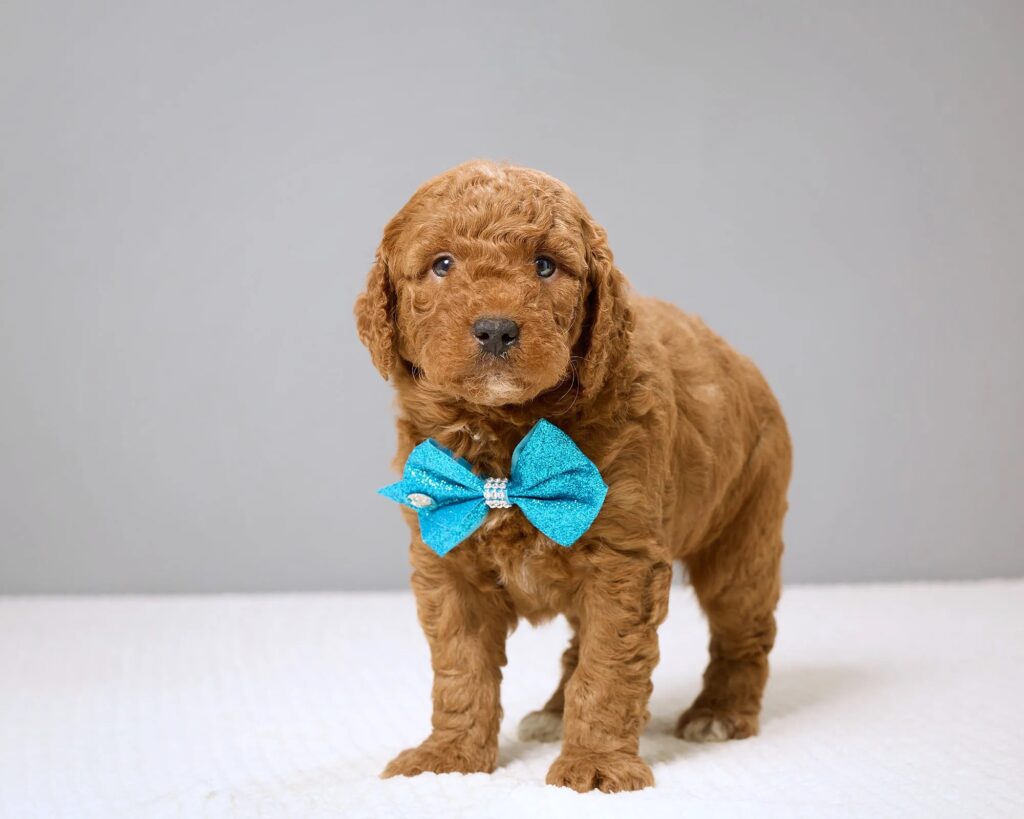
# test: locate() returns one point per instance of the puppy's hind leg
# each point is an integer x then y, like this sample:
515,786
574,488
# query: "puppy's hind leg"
737,581
545,725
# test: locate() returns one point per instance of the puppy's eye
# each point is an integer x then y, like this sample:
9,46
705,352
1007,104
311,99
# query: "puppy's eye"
545,267
441,266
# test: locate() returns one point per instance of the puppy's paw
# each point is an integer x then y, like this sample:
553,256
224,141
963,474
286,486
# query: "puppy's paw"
541,726
711,725
435,756
607,772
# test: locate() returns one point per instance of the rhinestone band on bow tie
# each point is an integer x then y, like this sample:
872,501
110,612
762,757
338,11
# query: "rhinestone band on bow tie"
496,493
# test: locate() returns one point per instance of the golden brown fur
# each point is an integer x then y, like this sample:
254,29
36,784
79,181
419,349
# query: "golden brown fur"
685,431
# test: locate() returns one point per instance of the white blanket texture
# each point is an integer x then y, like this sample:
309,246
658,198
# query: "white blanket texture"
884,700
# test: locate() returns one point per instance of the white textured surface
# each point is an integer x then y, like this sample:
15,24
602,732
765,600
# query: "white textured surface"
884,701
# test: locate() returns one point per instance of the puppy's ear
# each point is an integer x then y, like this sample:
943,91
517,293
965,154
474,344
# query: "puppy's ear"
609,319
375,316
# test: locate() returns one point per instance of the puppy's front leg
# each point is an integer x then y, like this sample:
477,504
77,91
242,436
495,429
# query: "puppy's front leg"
466,627
622,603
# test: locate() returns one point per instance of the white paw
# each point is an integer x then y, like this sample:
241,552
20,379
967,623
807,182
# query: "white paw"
541,726
706,729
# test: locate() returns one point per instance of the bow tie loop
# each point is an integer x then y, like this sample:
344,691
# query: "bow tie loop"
554,484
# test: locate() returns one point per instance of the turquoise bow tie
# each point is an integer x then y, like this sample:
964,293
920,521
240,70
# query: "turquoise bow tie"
555,485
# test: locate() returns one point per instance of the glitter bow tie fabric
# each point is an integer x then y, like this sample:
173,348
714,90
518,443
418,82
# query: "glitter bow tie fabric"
555,485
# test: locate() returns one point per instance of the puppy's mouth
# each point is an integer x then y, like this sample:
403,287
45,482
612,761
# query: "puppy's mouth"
514,374
517,376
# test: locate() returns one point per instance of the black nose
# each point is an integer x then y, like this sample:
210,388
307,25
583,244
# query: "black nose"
496,335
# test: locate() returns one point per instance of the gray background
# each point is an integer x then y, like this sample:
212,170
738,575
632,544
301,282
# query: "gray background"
191,193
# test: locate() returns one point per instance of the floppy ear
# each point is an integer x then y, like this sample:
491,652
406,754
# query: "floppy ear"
375,316
609,319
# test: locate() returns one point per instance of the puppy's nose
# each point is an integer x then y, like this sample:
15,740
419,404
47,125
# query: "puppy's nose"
496,335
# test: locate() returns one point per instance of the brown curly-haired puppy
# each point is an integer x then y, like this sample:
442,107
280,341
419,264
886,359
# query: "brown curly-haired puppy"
685,431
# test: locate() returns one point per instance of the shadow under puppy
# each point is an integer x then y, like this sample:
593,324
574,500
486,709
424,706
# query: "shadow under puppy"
494,302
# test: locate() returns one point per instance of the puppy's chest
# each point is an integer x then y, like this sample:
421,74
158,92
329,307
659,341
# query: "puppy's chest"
534,570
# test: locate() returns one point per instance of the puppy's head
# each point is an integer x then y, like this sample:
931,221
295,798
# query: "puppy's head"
494,285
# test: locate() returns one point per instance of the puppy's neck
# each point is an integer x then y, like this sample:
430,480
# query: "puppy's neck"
483,435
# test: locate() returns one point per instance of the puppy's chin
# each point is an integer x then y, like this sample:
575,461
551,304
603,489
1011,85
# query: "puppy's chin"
500,390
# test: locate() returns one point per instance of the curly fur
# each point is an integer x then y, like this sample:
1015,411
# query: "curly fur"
685,431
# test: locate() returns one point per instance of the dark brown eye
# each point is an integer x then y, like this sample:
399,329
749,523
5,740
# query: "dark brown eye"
442,265
545,267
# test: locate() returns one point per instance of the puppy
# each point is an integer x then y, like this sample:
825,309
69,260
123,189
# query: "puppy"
685,431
